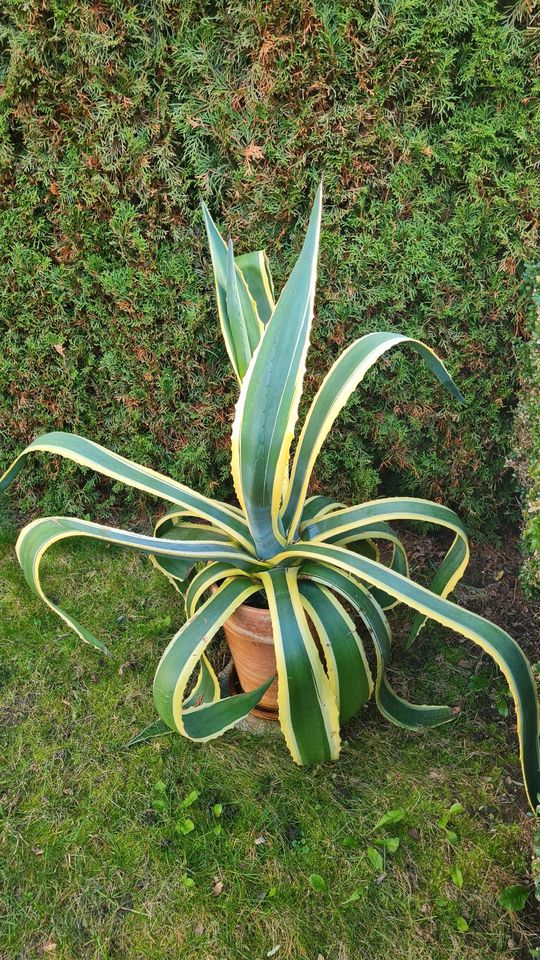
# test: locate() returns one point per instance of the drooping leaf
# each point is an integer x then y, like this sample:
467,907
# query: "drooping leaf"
340,382
396,709
370,519
491,639
86,453
36,538
308,711
207,720
346,662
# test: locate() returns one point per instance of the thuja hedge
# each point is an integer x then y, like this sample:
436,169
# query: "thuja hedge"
118,117
527,461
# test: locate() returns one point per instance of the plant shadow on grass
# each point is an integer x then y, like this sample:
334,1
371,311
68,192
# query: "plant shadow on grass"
218,850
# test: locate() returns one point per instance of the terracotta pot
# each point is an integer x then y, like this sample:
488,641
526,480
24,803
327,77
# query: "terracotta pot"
249,635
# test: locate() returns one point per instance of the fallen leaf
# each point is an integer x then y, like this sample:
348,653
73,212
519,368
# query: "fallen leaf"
48,947
59,349
259,840
38,851
217,888
273,951
199,930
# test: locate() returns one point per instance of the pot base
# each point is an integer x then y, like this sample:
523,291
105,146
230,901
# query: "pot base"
258,726
234,687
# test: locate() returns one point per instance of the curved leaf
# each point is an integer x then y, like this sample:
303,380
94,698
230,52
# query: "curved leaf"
346,663
316,507
496,642
89,454
36,538
308,712
412,716
207,720
355,539
202,581
178,569
342,526
342,379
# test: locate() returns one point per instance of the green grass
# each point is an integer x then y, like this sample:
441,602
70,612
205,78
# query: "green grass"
90,855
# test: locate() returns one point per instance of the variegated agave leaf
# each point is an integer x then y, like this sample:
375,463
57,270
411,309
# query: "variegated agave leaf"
318,561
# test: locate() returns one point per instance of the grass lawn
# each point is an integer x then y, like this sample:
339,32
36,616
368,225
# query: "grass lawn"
97,855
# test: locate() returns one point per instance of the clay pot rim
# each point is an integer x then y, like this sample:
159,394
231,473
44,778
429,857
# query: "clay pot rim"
260,613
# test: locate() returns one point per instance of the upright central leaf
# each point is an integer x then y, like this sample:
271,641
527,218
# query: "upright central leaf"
268,405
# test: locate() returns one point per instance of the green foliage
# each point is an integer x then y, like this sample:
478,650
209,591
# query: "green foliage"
527,437
115,120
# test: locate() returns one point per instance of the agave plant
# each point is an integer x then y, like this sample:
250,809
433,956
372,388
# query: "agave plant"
314,558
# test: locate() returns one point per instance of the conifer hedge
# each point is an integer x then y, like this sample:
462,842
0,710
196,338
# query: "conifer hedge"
527,437
117,117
